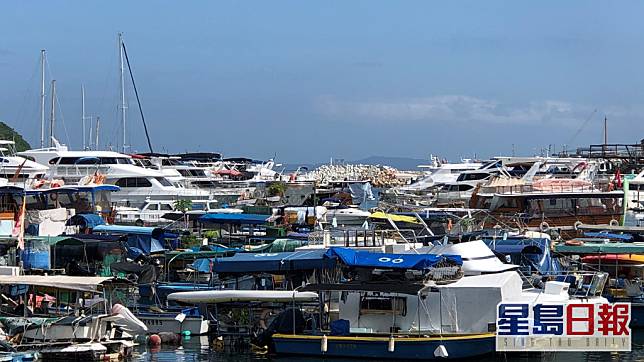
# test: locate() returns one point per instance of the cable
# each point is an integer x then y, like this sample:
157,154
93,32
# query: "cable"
582,127
136,92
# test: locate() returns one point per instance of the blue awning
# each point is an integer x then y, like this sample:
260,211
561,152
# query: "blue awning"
606,235
351,257
243,263
124,229
237,219
86,220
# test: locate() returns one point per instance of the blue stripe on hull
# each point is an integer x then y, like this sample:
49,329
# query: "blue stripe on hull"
379,349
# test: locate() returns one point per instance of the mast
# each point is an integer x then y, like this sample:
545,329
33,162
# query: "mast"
605,131
52,124
42,98
89,138
83,114
98,124
122,79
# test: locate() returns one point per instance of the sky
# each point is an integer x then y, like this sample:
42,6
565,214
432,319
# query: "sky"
308,80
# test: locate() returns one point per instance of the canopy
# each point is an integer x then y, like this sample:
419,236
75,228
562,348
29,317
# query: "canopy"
85,284
394,217
146,239
237,219
601,248
350,257
614,258
244,263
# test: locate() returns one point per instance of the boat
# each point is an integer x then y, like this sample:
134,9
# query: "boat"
137,184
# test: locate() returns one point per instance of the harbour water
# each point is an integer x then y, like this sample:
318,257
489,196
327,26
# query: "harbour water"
197,349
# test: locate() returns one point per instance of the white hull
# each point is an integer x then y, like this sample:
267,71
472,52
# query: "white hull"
158,324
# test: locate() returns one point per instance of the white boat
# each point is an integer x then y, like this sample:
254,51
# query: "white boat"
137,184
174,323
228,296
18,169
346,216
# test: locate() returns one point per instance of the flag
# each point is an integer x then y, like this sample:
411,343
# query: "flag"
618,178
19,227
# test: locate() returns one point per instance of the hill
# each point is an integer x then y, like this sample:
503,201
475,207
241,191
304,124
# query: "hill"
8,133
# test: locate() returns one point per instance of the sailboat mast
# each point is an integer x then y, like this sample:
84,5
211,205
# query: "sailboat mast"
83,114
98,124
123,106
52,122
42,98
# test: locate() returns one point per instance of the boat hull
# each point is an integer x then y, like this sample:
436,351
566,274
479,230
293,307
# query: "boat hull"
378,347
169,324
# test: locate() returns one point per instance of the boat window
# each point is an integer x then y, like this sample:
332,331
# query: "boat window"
103,200
166,207
163,181
383,305
67,160
153,207
465,187
473,176
198,206
634,187
133,182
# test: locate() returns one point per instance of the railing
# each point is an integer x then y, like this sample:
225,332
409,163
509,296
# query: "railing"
360,237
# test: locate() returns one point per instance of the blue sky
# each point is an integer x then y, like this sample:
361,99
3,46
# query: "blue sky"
317,79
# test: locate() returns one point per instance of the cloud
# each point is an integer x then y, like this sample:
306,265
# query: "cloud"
451,108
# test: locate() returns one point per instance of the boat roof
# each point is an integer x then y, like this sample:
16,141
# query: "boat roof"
228,218
601,248
86,284
563,195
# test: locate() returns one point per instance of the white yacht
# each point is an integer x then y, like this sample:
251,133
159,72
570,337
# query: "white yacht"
16,168
137,184
156,212
634,201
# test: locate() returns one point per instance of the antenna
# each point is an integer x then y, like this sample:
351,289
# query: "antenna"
52,122
42,98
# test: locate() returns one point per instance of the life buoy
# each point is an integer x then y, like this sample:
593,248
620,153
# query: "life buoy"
613,222
577,224
574,242
544,226
39,183
86,180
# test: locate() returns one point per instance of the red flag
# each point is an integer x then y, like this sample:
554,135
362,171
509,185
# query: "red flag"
19,228
618,178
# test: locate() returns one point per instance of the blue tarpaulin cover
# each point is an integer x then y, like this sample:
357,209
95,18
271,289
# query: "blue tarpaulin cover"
527,252
86,220
242,263
146,239
351,257
238,219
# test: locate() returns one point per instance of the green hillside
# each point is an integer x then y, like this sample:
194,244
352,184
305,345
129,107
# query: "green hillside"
8,133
